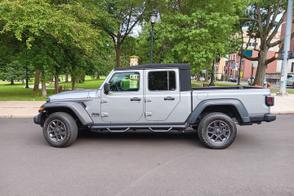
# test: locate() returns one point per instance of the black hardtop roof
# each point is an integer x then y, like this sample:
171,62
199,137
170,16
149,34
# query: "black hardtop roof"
156,66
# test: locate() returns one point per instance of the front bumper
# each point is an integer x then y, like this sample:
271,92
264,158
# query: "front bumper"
263,118
38,119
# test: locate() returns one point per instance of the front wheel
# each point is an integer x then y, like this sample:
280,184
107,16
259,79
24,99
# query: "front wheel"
60,129
217,130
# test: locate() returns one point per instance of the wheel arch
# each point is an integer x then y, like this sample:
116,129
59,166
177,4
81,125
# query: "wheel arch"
230,107
75,109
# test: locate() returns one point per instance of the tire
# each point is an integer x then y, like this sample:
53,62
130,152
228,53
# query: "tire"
60,129
217,130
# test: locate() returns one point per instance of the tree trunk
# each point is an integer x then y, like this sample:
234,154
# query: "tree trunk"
206,74
117,55
212,75
44,90
56,83
82,77
261,68
73,82
66,77
37,80
11,82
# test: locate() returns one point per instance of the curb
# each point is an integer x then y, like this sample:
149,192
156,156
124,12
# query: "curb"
283,113
15,116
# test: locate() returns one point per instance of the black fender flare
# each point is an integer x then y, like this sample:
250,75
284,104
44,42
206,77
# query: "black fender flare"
77,108
237,104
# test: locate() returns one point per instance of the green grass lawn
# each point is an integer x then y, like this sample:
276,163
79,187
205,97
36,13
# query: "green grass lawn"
275,90
17,92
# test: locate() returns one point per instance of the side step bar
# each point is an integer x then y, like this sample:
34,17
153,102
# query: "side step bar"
125,128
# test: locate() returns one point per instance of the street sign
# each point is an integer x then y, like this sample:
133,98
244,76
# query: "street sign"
248,53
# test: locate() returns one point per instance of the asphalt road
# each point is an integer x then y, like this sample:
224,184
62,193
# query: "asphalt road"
260,162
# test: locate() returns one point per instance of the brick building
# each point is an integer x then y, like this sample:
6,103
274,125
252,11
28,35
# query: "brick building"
248,67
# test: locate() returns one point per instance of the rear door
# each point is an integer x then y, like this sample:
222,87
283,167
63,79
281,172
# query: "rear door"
161,94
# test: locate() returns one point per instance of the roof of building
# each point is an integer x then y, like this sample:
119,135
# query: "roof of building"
156,66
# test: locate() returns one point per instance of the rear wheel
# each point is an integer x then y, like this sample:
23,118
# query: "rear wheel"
217,130
60,129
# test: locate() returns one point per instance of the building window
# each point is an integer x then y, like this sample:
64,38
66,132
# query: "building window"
162,81
292,67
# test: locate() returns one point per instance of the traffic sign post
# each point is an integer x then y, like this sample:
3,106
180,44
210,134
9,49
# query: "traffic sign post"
283,81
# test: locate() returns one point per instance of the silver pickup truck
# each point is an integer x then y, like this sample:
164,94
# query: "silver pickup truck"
157,98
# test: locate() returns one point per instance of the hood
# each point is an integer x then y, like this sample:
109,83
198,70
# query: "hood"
76,95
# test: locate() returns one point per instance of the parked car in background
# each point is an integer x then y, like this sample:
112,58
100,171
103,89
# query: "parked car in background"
290,79
251,81
202,78
232,79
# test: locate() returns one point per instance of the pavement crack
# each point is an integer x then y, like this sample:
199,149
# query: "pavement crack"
133,183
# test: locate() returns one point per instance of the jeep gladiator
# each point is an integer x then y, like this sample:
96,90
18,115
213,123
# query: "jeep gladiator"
157,98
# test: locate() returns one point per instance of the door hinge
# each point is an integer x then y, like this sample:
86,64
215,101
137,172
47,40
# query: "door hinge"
103,101
104,114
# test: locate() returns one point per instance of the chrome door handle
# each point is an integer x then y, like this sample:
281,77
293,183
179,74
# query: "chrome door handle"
148,100
148,114
135,99
169,98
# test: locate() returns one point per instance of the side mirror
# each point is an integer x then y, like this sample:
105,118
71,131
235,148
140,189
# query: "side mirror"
106,88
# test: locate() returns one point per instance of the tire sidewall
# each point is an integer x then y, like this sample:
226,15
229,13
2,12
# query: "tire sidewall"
71,129
202,130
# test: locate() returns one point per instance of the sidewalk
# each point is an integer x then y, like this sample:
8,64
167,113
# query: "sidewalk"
28,109
19,109
283,105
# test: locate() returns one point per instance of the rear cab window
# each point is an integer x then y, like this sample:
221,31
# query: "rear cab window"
161,81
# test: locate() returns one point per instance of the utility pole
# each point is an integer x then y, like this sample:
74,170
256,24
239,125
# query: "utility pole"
286,49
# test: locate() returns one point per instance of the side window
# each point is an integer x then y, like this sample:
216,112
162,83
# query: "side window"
127,81
162,81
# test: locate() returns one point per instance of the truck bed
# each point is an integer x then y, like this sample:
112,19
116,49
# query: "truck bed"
226,87
252,97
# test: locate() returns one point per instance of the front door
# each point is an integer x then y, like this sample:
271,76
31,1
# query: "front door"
162,94
124,103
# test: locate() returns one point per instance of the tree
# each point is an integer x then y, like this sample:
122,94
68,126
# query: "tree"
194,32
12,71
118,20
263,19
45,31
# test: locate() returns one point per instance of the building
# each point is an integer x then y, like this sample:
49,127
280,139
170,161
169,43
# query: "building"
220,69
290,61
248,68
